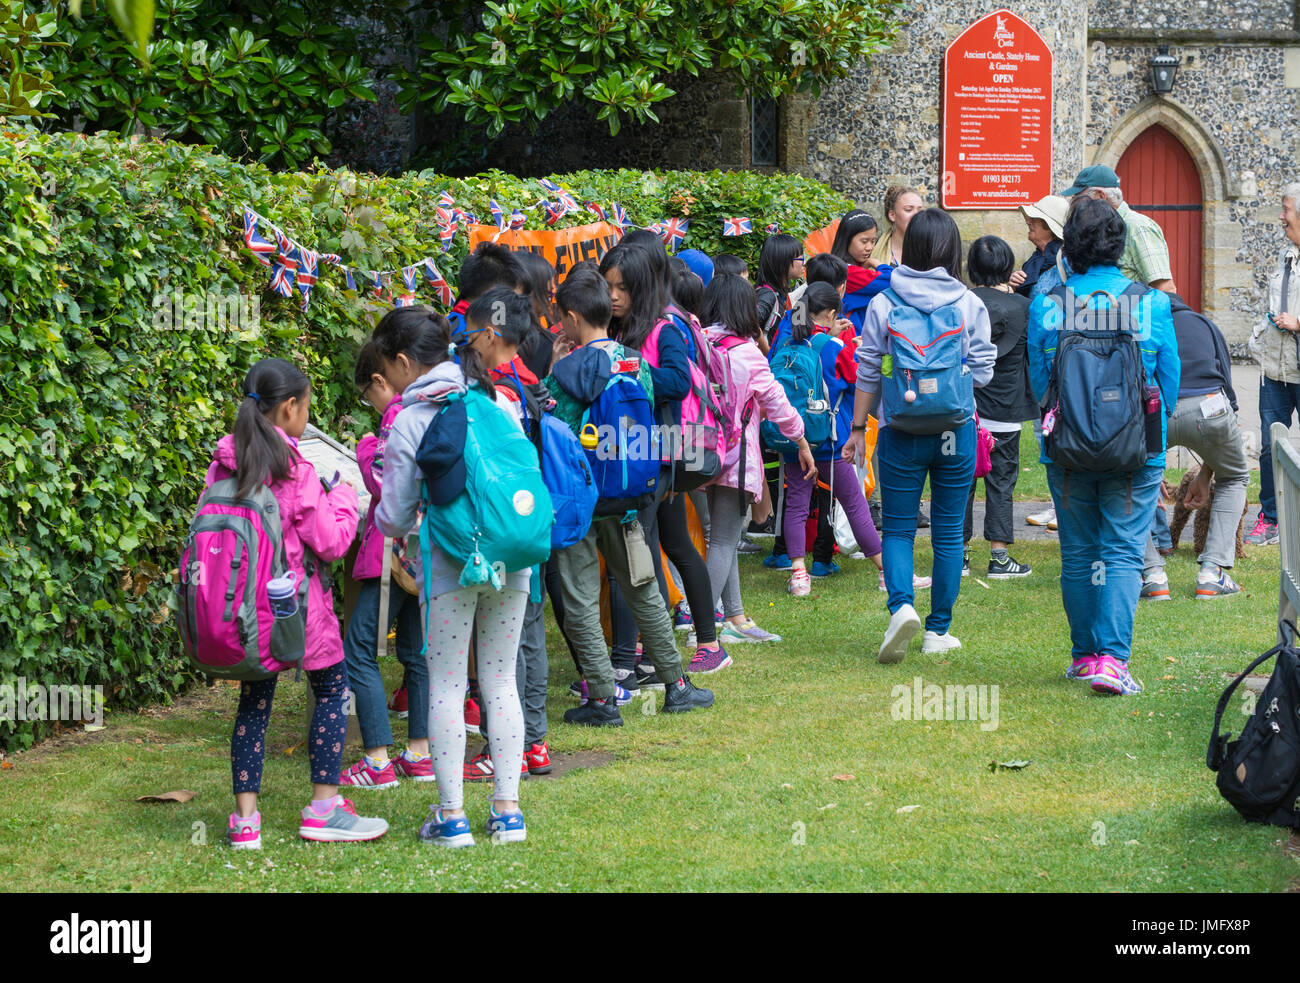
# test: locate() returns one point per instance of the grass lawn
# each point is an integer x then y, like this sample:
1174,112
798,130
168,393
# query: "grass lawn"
795,780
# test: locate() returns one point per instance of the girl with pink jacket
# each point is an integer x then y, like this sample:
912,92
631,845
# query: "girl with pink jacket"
318,525
376,769
732,319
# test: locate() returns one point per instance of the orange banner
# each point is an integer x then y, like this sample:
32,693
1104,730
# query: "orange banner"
821,240
562,248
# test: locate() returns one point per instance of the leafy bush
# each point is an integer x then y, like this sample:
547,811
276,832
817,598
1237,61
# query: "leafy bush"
111,412
255,79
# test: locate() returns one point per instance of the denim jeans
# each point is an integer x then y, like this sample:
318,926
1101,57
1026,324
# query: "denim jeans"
905,461
1277,401
363,665
1103,521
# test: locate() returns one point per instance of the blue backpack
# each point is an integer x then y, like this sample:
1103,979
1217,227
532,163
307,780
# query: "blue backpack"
568,478
502,521
798,368
618,436
929,389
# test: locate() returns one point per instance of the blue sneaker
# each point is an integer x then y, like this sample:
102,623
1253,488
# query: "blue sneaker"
682,619
777,561
447,832
820,569
505,827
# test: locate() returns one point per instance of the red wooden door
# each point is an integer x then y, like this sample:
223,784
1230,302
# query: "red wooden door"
1159,179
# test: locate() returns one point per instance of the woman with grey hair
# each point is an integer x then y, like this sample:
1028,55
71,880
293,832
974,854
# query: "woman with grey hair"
1275,343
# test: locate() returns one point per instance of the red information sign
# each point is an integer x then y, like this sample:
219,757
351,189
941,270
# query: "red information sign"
997,115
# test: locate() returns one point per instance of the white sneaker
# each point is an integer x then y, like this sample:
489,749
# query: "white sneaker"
934,643
1044,518
903,626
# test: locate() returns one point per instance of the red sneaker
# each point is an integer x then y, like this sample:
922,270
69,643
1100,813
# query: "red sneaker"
480,768
472,718
364,775
420,770
397,704
537,759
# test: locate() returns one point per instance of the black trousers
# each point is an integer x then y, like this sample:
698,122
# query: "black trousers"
668,529
999,486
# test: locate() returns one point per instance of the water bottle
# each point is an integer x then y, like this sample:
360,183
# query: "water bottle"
283,595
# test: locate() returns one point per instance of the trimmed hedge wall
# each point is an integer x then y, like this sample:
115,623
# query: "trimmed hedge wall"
111,413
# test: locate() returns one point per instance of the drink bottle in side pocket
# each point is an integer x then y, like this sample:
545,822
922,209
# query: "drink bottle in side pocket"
1153,406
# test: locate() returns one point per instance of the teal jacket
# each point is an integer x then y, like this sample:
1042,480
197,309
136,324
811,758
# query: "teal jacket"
1158,342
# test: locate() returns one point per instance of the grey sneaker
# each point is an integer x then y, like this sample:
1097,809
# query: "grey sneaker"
1208,586
1264,533
340,824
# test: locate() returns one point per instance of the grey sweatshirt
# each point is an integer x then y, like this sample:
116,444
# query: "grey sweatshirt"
926,290
400,504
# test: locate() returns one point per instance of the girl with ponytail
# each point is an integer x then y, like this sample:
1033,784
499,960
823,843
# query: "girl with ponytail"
318,523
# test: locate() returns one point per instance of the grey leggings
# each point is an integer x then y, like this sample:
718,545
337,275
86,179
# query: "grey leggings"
726,516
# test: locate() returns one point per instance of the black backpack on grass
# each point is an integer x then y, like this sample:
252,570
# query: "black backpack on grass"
1259,772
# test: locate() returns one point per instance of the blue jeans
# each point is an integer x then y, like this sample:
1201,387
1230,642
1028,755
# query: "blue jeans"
1277,401
905,460
363,665
1103,521
1160,528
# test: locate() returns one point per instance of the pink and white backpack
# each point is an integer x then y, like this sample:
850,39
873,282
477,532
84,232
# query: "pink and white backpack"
234,548
697,456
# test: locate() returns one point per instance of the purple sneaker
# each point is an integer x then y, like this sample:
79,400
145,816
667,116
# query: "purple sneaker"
624,697
1112,678
709,660
1084,667
746,632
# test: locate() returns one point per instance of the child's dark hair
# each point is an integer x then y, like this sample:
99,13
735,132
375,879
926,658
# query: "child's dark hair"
367,364
489,265
653,247
688,291
729,263
585,293
933,242
260,452
852,225
538,274
990,261
644,287
729,300
779,252
425,338
827,268
504,311
585,264
816,298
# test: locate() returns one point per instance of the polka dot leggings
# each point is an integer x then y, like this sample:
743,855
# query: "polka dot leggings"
329,725
449,621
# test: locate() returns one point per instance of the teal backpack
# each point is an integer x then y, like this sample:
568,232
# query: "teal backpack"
502,521
797,366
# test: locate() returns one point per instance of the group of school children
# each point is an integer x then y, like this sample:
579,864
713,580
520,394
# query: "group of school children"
657,334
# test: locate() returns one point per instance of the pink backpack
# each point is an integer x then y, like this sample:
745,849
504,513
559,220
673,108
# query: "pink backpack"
235,547
697,454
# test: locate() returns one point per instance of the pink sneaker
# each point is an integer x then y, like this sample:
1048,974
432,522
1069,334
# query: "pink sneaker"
800,584
1112,678
416,769
1084,667
245,834
363,774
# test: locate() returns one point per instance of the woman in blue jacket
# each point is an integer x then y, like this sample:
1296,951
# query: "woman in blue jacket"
1103,517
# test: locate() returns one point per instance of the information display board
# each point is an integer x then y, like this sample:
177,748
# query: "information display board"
997,115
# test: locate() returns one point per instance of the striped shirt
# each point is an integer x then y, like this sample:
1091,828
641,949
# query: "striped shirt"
1146,255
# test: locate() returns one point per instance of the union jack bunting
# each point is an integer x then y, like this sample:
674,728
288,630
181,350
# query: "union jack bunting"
430,271
307,273
554,212
446,199
596,210
517,220
349,279
620,216
673,232
289,254
772,228
282,279
332,258
498,215
404,300
254,239
736,226
445,294
444,216
408,278
567,201
468,219
446,233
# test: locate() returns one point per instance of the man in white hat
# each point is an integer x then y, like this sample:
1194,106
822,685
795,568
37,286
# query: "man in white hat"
1045,220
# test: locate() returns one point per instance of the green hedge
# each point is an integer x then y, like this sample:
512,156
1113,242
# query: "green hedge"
110,417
